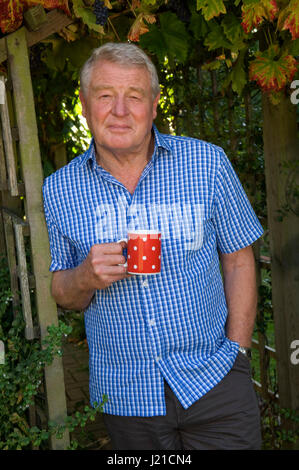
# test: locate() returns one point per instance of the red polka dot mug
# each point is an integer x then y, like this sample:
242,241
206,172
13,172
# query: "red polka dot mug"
143,252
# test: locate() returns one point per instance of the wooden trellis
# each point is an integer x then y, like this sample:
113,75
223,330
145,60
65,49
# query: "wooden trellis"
21,179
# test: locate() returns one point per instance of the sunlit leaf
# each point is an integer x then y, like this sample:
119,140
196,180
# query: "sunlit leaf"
211,8
108,4
149,2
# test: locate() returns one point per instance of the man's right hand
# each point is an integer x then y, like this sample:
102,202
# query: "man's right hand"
74,288
102,265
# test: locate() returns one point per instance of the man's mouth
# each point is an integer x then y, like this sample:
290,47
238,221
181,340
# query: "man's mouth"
118,127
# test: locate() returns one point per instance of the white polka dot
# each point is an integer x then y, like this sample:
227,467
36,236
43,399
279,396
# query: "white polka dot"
135,247
135,267
143,257
144,239
153,248
159,256
129,256
153,266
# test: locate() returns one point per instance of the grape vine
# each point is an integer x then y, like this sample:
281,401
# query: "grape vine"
101,12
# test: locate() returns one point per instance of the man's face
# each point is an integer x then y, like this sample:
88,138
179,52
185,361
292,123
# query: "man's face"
119,108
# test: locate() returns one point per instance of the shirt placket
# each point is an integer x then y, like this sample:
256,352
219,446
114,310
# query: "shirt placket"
145,286
143,283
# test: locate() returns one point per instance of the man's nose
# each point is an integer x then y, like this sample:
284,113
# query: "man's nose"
120,106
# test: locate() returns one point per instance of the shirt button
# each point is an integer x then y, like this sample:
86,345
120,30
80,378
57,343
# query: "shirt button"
145,283
158,358
151,322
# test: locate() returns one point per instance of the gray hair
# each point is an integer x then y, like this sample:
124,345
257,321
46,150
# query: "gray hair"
123,54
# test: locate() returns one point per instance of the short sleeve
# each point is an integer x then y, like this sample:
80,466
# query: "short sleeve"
63,253
236,224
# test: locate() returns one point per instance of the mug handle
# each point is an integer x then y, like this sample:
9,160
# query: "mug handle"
123,240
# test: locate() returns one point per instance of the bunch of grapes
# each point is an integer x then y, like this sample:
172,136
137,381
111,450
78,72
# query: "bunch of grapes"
101,12
181,9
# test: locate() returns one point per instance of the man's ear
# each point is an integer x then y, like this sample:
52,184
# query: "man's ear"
83,102
155,105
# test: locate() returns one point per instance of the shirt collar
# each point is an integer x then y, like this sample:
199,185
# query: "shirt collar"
160,143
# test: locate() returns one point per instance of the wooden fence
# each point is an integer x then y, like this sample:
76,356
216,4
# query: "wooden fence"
21,178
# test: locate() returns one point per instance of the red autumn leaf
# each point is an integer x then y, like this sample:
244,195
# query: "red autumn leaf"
48,4
254,13
272,72
11,15
292,20
11,11
139,27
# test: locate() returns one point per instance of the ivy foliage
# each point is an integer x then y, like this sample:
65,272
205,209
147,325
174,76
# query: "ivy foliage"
21,379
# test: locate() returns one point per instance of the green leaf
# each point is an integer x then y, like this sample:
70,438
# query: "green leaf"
210,8
294,47
198,26
214,65
216,39
55,57
79,51
149,2
250,2
232,27
237,76
87,16
169,39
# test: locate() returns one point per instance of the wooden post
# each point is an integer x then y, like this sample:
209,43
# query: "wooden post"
3,185
33,179
8,144
2,233
281,152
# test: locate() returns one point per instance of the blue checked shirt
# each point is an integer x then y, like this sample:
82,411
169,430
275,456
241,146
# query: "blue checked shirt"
171,325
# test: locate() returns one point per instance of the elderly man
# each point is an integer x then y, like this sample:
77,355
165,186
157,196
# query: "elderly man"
169,350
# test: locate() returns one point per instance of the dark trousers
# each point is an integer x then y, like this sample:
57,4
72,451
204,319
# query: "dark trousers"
226,418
